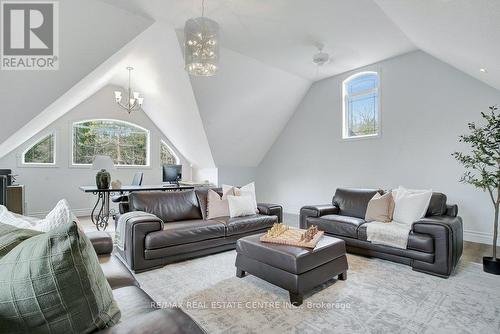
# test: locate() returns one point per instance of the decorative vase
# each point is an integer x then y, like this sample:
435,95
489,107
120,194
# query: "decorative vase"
116,184
491,265
102,179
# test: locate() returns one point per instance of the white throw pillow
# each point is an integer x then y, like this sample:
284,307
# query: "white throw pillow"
61,214
216,206
247,190
410,204
10,218
240,206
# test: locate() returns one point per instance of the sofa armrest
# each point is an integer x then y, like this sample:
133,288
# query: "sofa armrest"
271,210
316,211
168,321
447,233
102,242
136,229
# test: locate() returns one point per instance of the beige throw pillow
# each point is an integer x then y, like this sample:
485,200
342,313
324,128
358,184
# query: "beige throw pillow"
380,208
216,206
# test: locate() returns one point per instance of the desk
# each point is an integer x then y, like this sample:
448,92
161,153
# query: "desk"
101,212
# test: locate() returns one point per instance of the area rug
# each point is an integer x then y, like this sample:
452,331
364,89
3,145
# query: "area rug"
377,297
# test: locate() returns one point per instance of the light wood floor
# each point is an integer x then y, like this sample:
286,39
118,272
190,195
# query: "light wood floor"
473,252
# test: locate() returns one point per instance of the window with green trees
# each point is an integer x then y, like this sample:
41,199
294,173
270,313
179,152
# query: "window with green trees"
361,105
167,156
42,152
127,144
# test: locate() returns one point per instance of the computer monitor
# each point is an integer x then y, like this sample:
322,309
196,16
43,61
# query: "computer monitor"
172,173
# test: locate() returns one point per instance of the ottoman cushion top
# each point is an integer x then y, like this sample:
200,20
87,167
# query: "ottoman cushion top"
292,259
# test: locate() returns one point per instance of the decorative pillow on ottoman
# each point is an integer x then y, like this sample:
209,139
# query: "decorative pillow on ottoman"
52,283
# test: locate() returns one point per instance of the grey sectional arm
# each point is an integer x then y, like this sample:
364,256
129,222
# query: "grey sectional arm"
447,232
316,211
271,210
135,235
101,241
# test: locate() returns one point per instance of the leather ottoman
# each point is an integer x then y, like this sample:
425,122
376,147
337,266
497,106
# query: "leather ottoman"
292,268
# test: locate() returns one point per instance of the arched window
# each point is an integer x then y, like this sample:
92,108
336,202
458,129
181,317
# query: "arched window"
167,155
361,106
43,152
126,143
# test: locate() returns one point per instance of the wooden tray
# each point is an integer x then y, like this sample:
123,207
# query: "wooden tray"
291,237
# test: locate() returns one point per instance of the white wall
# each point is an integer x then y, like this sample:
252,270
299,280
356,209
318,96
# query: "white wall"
425,106
237,175
47,185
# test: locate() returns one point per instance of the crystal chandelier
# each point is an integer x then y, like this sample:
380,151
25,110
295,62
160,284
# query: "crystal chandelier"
201,45
134,100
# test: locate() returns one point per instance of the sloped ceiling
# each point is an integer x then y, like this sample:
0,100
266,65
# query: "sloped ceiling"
90,32
159,75
462,33
245,107
284,33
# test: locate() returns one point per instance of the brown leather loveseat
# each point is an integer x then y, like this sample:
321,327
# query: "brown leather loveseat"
181,229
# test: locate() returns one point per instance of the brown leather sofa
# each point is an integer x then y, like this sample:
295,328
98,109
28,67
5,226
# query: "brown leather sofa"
435,242
139,313
182,231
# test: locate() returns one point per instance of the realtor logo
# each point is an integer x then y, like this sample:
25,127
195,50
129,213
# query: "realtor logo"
30,35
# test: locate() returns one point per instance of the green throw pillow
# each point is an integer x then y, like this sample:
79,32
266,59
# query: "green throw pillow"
53,283
11,236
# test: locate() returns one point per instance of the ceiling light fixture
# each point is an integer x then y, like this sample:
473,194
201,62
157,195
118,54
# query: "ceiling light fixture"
483,70
201,45
320,58
134,100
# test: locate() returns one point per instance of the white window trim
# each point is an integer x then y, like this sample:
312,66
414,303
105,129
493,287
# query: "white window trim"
345,96
34,142
87,166
177,159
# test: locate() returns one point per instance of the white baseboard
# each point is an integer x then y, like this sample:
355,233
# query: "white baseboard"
479,237
77,212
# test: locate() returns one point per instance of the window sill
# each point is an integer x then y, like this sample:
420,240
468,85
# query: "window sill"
116,167
24,165
375,136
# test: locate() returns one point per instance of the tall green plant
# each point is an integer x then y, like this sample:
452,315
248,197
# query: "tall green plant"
482,163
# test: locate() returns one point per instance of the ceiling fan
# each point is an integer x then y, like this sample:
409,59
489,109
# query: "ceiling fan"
320,58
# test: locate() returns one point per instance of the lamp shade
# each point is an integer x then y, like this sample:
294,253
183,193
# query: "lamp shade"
103,162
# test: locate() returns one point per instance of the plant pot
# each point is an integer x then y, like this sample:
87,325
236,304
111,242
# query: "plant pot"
491,265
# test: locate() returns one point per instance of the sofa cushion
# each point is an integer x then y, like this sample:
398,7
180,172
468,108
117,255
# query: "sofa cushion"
437,205
53,282
168,206
416,241
183,232
201,195
240,225
133,302
353,202
336,224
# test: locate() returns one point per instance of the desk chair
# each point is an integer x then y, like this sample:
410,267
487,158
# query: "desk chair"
123,198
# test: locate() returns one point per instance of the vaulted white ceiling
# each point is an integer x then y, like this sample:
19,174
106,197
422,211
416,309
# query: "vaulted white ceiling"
462,33
284,33
90,31
265,67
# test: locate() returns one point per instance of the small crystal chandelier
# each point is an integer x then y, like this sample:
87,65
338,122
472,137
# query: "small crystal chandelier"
201,45
134,101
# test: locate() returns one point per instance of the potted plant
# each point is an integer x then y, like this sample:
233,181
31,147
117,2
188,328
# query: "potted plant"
482,166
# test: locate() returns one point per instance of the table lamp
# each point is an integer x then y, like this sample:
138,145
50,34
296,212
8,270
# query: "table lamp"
102,163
